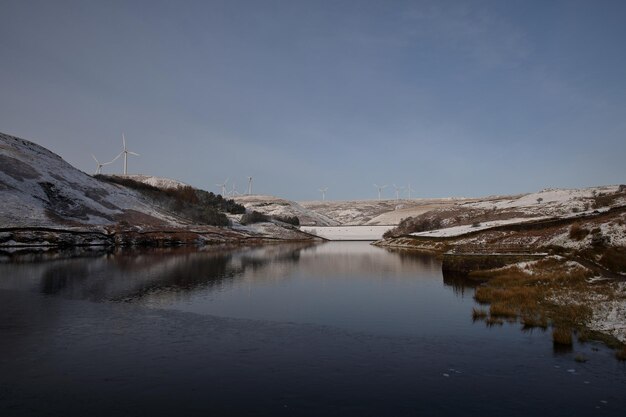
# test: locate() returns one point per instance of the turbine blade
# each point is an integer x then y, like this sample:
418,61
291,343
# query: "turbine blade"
133,153
124,141
94,158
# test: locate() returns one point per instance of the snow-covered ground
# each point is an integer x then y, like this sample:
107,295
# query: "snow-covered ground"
275,206
38,188
159,182
462,230
377,212
548,202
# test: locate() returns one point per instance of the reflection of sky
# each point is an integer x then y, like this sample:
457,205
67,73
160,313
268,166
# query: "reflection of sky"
347,284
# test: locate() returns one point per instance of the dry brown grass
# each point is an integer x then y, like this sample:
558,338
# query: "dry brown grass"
479,314
503,309
577,232
548,293
562,336
493,321
531,320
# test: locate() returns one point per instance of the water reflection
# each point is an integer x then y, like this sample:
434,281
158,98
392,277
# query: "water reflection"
460,283
130,274
346,284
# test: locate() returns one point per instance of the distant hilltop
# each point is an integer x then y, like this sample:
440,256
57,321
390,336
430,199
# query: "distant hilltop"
159,182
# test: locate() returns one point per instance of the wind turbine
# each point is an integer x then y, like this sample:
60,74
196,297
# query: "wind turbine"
409,190
380,189
101,164
234,191
323,191
398,189
249,185
126,152
223,186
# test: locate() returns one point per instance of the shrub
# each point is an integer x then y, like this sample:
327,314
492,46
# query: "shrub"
414,225
562,336
577,232
193,204
293,220
606,200
254,217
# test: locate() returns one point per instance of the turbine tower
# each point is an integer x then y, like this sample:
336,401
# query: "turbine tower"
234,191
101,164
409,190
398,189
223,187
249,185
126,152
323,191
380,189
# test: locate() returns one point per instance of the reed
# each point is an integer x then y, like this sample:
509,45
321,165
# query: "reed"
562,336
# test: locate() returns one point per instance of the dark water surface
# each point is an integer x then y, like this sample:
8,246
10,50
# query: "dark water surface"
334,329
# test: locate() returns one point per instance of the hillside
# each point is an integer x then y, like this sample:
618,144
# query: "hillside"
376,212
47,201
584,223
159,182
275,206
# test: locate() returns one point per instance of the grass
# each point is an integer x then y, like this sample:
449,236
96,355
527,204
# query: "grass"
502,309
530,320
562,336
479,314
577,232
493,321
546,293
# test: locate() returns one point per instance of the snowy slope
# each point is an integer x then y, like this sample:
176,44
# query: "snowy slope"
159,182
275,206
38,188
550,202
377,212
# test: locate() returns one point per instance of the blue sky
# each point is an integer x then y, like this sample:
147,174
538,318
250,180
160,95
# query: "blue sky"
457,98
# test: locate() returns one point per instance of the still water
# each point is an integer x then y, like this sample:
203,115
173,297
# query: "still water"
332,329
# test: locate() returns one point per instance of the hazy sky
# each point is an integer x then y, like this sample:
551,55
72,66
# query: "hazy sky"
459,98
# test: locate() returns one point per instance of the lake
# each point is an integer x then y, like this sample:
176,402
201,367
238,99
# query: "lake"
333,329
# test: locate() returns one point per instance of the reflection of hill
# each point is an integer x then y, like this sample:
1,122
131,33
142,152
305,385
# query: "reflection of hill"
127,275
161,276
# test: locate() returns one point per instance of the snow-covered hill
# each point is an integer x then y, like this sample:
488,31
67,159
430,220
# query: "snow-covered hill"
46,201
275,206
554,201
159,182
376,212
39,189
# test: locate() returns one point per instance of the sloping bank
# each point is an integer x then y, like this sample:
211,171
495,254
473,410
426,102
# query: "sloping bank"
564,274
46,202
